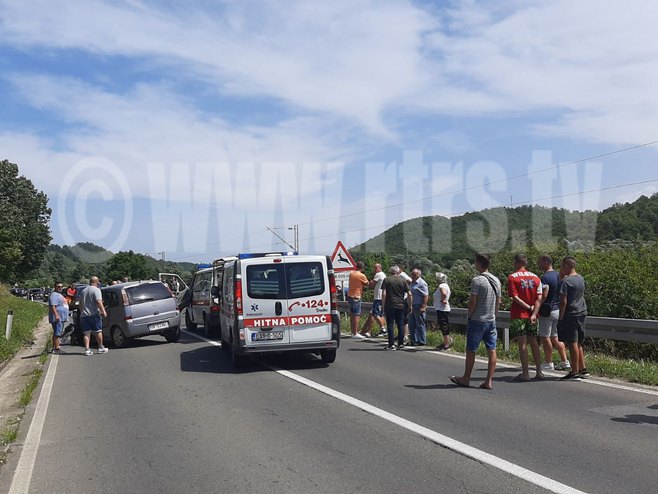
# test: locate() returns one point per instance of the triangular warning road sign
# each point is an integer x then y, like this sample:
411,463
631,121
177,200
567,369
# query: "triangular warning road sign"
341,259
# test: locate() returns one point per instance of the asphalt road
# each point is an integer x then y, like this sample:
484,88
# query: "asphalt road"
159,417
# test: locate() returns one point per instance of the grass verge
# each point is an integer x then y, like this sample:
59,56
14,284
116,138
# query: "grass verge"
26,317
639,371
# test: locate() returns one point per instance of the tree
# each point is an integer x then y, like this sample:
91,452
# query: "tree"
24,230
135,266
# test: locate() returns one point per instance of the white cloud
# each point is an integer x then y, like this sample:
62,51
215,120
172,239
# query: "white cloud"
636,194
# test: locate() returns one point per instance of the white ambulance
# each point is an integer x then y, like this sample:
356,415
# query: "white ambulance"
279,303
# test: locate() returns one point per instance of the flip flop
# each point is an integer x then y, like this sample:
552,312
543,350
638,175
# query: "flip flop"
455,380
485,386
522,378
540,376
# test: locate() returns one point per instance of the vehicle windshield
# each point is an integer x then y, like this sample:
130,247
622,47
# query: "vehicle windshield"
147,292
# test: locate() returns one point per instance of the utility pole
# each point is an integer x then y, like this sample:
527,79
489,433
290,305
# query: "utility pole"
295,229
281,238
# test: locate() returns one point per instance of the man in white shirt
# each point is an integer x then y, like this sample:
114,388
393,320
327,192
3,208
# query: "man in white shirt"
376,313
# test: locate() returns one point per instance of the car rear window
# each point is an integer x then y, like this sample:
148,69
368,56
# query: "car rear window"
277,281
148,292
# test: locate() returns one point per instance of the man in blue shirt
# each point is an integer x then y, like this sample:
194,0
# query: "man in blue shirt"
549,312
417,322
58,313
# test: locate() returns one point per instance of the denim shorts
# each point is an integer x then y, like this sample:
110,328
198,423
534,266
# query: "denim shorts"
58,327
91,323
377,308
355,306
478,331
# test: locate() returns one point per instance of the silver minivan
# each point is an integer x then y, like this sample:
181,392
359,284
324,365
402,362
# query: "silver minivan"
136,309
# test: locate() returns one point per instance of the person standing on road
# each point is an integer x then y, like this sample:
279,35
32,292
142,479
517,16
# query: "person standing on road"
408,279
525,290
571,319
396,299
549,312
58,313
482,310
357,282
441,298
417,321
376,313
92,311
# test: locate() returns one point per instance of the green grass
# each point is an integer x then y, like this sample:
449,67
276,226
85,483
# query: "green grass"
641,371
28,390
8,435
26,317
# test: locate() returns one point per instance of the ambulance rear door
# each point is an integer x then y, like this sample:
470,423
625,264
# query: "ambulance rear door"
309,299
265,307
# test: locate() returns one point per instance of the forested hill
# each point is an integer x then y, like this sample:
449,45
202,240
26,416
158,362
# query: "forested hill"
506,228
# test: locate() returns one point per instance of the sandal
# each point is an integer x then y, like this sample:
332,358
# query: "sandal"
485,386
457,381
522,378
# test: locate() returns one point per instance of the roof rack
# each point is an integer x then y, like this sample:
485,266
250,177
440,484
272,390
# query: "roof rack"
265,254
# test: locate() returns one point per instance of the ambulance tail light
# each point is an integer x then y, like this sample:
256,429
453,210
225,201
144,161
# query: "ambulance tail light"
333,292
238,297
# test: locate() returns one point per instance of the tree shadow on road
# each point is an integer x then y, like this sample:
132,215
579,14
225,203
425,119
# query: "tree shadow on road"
431,386
639,418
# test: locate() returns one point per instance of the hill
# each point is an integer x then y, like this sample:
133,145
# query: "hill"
446,239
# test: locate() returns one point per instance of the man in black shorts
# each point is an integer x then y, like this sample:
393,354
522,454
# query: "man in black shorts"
571,322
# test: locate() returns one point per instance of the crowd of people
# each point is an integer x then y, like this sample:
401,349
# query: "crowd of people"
549,310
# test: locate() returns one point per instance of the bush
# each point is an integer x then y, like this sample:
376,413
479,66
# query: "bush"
26,317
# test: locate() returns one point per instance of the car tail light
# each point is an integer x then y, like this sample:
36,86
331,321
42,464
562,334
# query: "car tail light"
214,308
332,291
238,297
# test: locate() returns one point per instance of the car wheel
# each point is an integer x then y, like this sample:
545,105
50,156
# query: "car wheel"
188,322
328,356
225,344
119,339
172,335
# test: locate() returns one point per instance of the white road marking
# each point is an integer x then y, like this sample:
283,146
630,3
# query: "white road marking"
437,438
23,474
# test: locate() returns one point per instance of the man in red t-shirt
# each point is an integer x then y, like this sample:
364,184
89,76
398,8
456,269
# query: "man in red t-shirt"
525,290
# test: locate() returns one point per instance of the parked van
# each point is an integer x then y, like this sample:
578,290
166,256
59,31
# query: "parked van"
137,309
202,308
278,303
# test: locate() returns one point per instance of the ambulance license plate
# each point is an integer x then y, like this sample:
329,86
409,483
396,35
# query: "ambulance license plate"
267,336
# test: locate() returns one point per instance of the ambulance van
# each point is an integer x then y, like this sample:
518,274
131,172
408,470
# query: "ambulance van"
278,303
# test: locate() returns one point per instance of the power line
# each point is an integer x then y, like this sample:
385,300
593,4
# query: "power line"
519,203
509,179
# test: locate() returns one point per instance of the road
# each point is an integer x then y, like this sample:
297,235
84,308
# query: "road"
159,417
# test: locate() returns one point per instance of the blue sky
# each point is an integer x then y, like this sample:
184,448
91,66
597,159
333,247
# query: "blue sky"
189,128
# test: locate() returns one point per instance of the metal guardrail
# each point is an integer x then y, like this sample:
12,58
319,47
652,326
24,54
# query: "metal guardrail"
607,328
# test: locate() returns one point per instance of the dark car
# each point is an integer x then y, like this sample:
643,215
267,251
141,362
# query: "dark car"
19,292
36,293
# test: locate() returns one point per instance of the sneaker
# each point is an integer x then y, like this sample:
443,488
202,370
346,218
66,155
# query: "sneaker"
450,342
88,352
103,350
358,336
563,366
406,340
367,334
401,347
390,347
547,367
571,377
383,333
584,373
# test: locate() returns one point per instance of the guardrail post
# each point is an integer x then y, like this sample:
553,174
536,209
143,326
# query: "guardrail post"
10,320
506,339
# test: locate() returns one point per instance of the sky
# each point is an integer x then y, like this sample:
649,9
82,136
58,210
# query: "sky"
190,128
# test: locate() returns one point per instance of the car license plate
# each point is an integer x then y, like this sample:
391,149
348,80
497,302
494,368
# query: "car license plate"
160,325
267,336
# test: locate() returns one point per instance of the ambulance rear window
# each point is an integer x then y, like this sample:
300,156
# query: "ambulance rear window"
265,281
304,279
